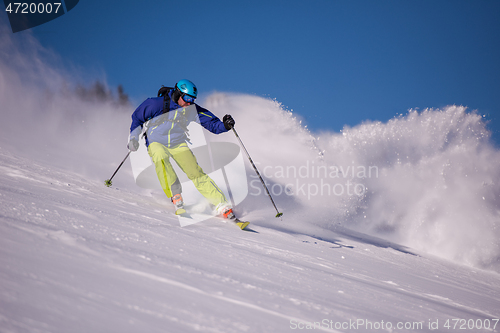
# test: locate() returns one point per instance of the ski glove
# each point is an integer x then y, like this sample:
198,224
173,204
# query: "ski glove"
133,144
228,121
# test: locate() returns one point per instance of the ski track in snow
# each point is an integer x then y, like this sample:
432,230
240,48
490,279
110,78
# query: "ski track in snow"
79,257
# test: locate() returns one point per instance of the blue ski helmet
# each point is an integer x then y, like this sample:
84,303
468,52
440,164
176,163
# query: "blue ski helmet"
187,87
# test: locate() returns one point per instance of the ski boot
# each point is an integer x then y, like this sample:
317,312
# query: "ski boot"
179,204
226,212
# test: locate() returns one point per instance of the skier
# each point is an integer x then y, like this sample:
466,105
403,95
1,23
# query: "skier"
166,118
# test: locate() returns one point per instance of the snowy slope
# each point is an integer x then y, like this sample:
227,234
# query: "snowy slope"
76,256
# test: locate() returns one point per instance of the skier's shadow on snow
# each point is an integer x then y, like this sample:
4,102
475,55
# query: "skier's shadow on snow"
337,244
347,234
247,229
363,238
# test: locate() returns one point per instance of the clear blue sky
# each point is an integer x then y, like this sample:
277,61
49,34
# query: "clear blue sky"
333,62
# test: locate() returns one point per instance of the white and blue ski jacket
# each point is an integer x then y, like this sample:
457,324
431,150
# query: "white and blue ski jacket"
168,127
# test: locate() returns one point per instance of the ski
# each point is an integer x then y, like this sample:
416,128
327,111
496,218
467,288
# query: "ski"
241,224
186,217
180,211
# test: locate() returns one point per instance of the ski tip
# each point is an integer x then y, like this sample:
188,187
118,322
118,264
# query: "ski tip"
242,224
180,211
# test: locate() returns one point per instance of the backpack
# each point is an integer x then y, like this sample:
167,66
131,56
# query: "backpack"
163,91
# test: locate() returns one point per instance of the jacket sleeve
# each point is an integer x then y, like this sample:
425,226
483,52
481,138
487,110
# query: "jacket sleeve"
209,121
147,110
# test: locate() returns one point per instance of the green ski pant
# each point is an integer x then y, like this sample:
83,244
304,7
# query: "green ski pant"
186,160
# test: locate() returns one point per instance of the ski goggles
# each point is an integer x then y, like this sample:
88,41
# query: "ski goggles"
188,98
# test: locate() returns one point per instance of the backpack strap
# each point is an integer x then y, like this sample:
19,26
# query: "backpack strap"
166,98
163,91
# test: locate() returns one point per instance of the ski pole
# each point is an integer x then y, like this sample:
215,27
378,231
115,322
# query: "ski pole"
108,182
257,172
